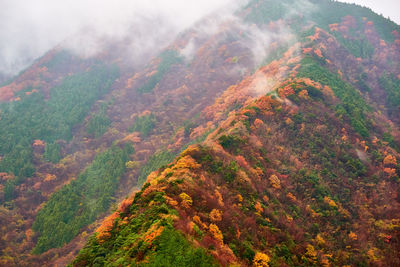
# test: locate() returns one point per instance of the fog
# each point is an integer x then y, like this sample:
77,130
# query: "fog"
30,28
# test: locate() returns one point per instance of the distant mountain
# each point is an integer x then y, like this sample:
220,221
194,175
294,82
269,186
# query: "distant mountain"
269,137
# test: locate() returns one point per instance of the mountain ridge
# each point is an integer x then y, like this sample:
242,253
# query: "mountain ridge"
330,67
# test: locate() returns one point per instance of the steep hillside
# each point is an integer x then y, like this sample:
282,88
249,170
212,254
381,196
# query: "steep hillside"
299,177
271,136
305,175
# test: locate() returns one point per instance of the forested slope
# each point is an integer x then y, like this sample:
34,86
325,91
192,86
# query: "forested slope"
271,137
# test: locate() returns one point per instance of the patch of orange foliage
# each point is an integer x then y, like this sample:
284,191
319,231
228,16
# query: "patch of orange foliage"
197,132
50,177
187,162
328,91
133,137
38,143
242,161
126,203
390,160
5,176
238,233
198,221
6,93
258,123
219,198
285,91
216,233
318,52
171,201
261,260
289,121
275,182
353,236
291,197
216,215
303,94
258,207
316,35
334,27
149,238
186,200
390,172
307,50
31,77
130,81
29,234
329,201
103,232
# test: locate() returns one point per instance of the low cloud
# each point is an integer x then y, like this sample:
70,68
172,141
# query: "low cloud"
30,28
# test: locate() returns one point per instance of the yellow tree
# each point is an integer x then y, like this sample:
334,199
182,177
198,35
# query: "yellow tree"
261,260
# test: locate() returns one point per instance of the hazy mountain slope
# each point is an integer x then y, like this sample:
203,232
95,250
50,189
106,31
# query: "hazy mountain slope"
284,176
319,147
307,175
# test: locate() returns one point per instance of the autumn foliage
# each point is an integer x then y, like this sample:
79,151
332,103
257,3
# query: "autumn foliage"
261,260
103,231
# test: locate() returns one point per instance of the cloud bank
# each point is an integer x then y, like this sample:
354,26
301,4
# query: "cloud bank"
30,28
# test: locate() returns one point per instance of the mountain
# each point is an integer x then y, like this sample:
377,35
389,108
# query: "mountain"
267,137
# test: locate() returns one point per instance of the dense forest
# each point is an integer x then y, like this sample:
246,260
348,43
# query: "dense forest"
213,152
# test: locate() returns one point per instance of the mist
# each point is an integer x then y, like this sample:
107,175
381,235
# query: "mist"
85,27
31,28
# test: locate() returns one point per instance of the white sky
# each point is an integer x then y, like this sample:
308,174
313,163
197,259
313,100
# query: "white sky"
388,8
30,28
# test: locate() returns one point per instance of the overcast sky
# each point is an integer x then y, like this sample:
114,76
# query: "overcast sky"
388,8
30,28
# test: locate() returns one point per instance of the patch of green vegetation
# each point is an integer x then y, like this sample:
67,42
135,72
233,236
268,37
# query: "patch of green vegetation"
129,246
144,124
59,59
52,152
34,118
329,12
168,59
230,142
359,47
265,11
164,157
322,12
79,203
353,106
216,166
188,127
155,162
174,250
391,85
98,123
